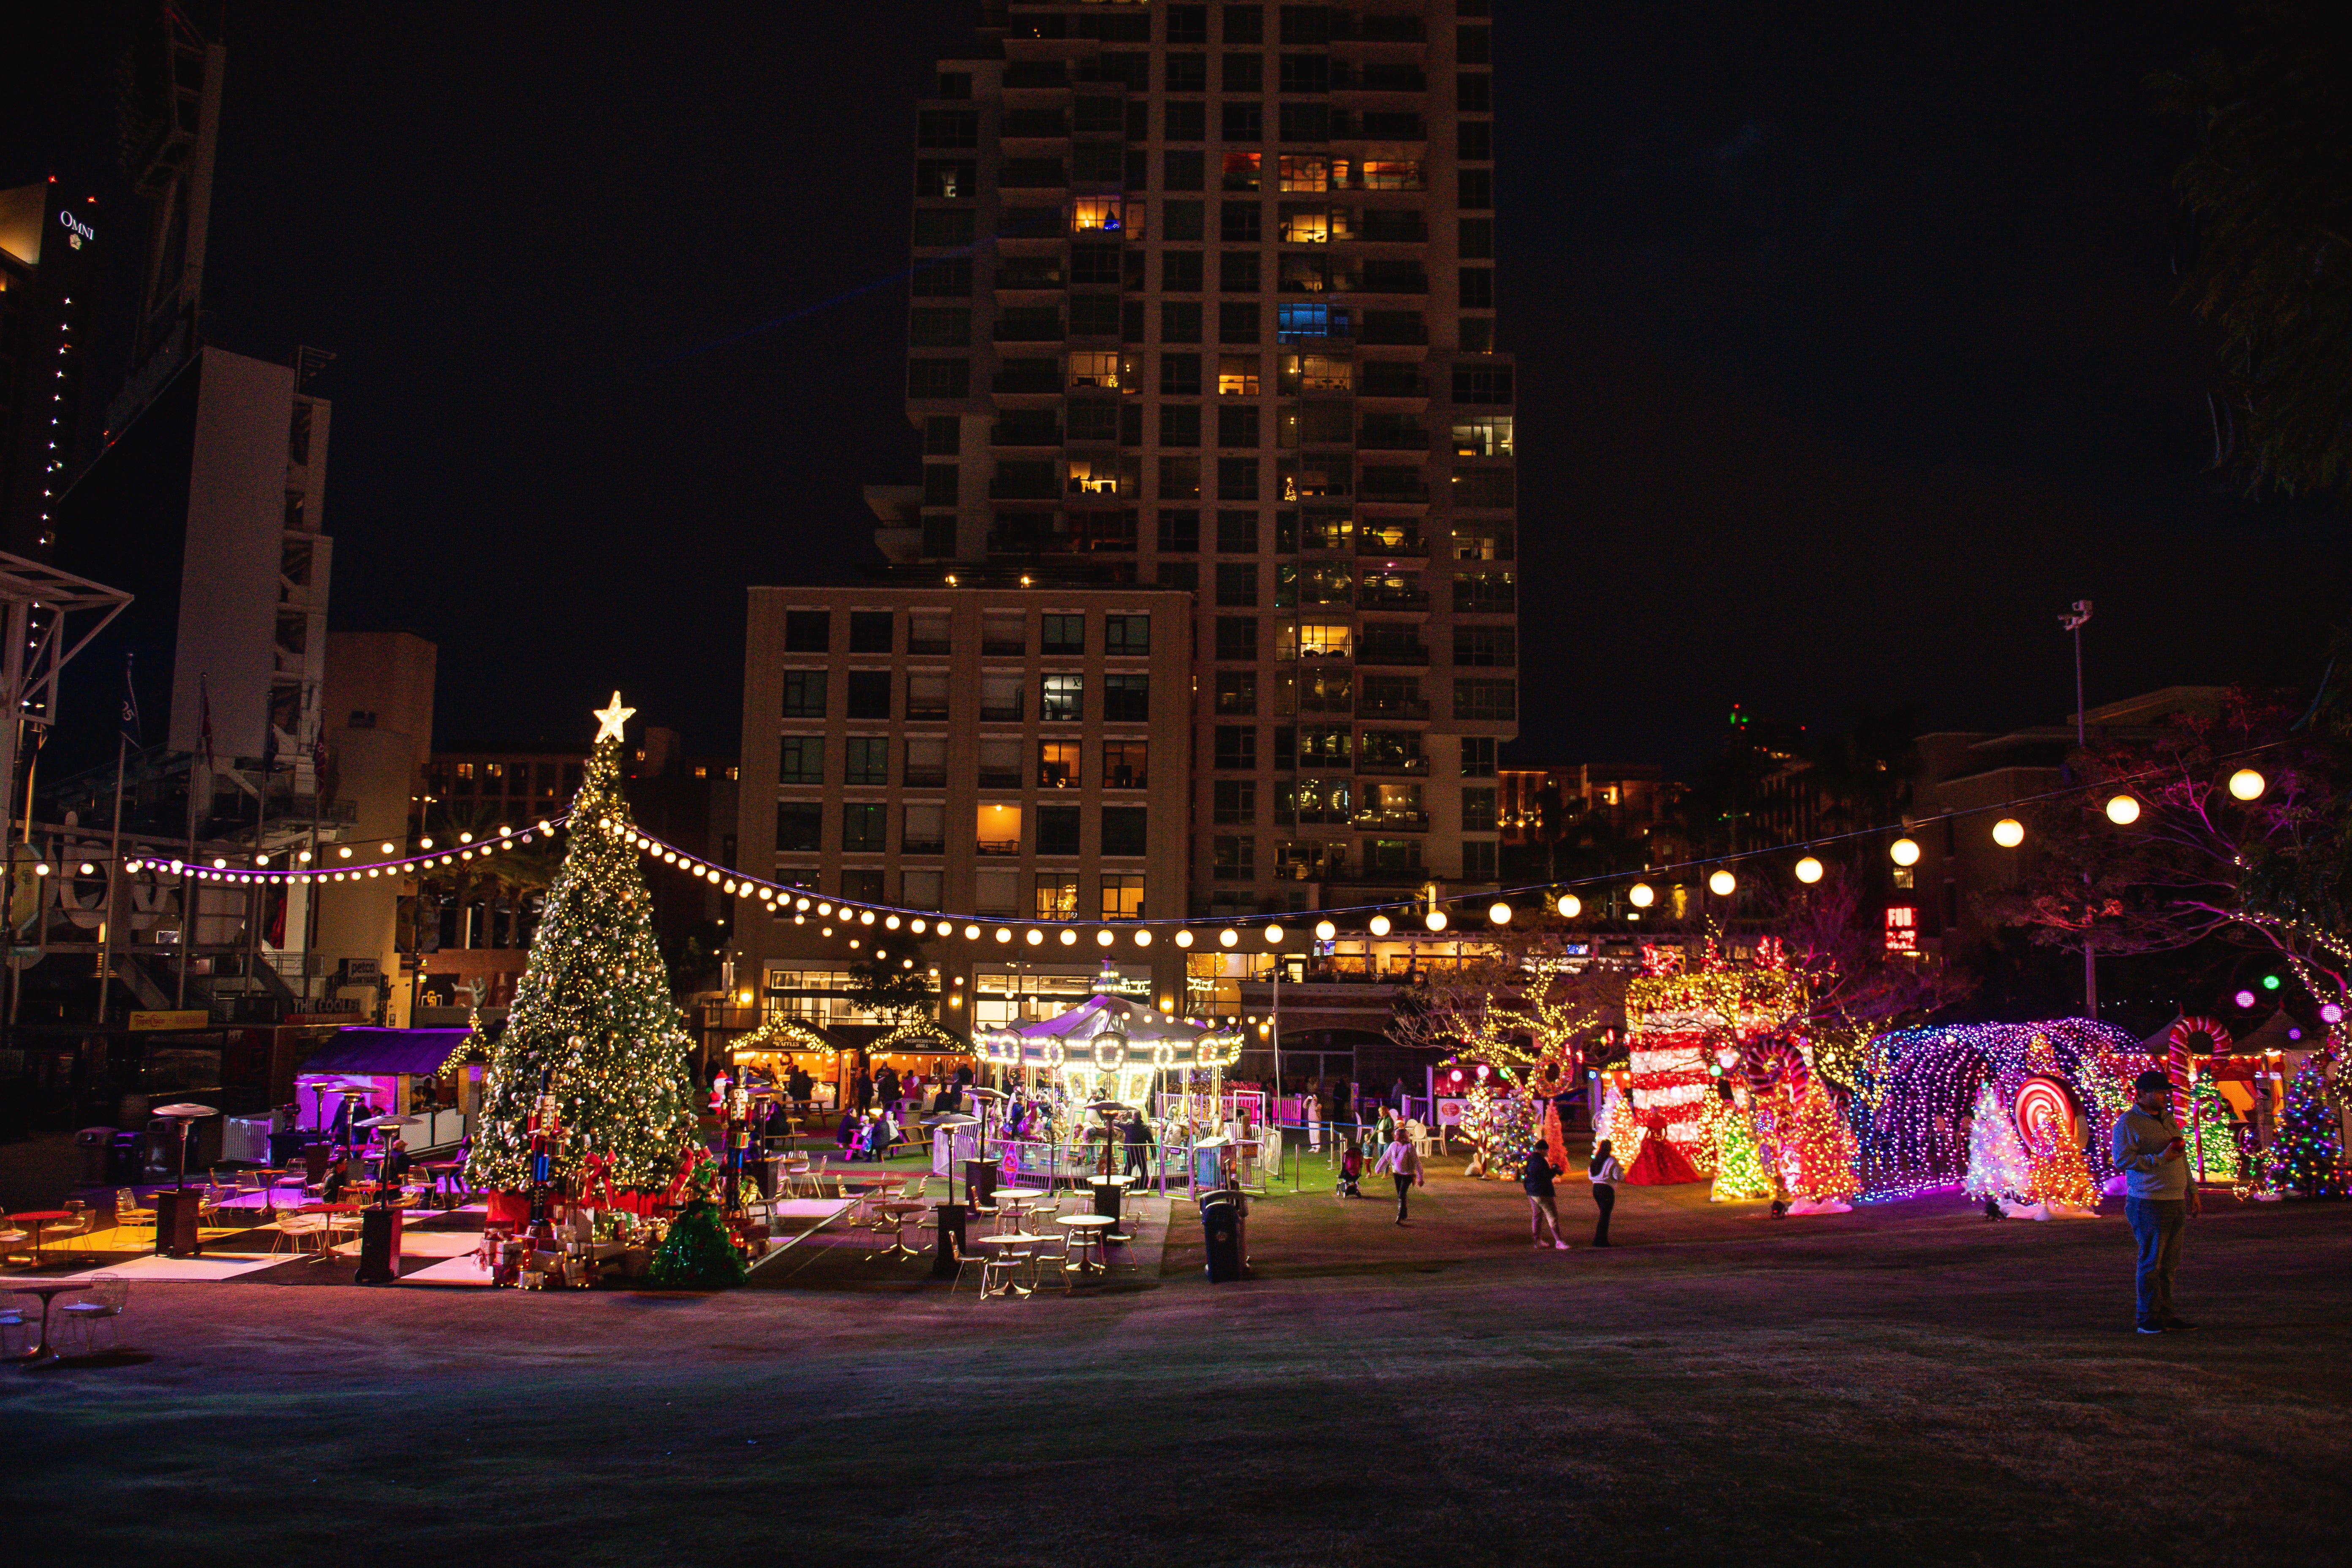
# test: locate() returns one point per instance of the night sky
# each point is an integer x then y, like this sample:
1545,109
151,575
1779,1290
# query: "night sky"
1847,350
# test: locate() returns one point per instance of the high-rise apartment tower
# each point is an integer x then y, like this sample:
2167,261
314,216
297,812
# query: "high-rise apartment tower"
1204,299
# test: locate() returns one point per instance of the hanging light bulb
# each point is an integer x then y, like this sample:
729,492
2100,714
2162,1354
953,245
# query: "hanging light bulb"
890,922
2248,784
1005,934
1036,938
972,933
1570,906
1325,930
1227,937
1722,884
2009,833
1378,925
1274,936
2123,810
1185,937
1809,870
1103,938
1904,851
1435,920
1643,895
1142,937
1499,913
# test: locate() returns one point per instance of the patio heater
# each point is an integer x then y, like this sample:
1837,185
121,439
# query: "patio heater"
175,1210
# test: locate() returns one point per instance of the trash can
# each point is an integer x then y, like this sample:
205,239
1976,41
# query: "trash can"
1221,1227
97,1146
379,1246
122,1167
1106,1196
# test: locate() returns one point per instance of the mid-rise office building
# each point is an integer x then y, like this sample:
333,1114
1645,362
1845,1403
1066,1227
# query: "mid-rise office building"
1205,301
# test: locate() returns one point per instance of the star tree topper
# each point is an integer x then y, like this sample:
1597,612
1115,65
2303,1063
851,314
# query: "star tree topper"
610,720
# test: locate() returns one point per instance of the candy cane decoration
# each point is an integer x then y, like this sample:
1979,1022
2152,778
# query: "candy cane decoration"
2176,1063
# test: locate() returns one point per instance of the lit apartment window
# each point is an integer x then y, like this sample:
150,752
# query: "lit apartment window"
1124,765
1304,173
1316,640
1057,896
1058,765
1481,435
1062,699
1392,175
1122,896
1090,367
1242,171
1095,214
997,829
1315,373
1237,376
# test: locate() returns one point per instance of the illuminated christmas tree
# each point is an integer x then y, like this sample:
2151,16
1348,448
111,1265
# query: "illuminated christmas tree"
1738,1161
2062,1178
2306,1154
1825,1149
593,1015
1999,1166
2213,1144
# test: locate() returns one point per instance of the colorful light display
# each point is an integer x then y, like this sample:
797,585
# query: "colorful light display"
1915,1086
2307,1154
1677,1020
1738,1161
1999,1167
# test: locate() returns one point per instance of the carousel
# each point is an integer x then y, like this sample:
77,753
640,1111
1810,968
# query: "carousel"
1112,1049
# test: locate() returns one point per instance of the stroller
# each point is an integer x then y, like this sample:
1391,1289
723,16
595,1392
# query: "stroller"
1351,1172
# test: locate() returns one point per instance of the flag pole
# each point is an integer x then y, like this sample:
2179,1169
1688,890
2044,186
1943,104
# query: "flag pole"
113,878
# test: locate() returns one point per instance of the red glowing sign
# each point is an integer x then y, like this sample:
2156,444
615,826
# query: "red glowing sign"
1902,929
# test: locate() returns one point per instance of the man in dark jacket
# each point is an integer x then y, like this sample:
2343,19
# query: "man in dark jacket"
1536,1181
1139,1145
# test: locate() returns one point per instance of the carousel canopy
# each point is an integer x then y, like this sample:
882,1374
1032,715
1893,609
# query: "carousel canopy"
1109,1031
365,1051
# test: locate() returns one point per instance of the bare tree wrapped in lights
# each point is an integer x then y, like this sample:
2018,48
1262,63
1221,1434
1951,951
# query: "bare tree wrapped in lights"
2234,824
592,1014
1518,998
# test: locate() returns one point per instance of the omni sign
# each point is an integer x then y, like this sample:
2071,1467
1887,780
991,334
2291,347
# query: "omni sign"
81,230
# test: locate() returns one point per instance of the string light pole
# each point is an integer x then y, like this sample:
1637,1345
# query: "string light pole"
2073,620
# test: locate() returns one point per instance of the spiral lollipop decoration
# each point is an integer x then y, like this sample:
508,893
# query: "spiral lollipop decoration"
2045,1116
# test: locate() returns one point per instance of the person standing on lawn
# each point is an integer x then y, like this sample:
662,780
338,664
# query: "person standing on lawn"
1536,1182
1401,1160
2158,1197
1606,1172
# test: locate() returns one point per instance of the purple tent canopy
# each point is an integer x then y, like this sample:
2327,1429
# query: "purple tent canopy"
365,1052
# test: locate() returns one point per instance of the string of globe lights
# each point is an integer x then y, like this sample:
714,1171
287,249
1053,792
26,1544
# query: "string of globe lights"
2246,784
301,866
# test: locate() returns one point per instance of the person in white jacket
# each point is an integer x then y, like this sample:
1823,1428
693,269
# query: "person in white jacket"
1401,1160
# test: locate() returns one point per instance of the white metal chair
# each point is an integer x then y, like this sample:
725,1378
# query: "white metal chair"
128,1212
1001,1271
295,1229
102,1302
